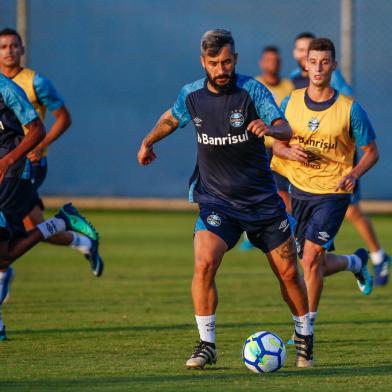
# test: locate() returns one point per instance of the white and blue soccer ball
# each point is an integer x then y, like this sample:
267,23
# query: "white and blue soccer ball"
264,352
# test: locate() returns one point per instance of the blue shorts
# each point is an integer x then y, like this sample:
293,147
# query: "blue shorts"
38,172
16,198
319,220
356,195
282,182
264,232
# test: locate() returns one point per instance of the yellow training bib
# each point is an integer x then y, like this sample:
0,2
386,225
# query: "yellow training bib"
325,135
24,79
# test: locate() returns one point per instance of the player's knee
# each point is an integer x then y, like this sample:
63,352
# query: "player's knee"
353,213
290,274
311,264
205,266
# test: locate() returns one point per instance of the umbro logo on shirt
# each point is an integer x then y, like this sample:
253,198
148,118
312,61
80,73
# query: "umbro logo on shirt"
323,235
197,121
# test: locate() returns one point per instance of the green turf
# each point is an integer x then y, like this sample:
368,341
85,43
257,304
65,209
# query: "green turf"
133,328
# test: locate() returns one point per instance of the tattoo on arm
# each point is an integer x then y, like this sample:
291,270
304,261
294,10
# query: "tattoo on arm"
164,127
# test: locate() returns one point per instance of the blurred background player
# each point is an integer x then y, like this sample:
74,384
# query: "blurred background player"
16,188
43,96
269,64
381,261
300,77
318,161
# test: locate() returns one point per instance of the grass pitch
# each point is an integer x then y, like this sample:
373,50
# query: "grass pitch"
133,328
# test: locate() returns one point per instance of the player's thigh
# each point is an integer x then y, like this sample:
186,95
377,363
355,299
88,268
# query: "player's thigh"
35,216
209,251
313,256
283,259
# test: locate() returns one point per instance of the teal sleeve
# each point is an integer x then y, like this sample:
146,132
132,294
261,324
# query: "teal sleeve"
15,99
338,83
179,109
283,104
264,102
46,93
360,126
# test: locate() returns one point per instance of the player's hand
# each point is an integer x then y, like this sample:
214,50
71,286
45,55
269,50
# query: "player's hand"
146,155
4,166
258,127
35,155
297,153
347,183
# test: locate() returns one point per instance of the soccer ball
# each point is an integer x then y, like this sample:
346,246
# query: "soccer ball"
264,352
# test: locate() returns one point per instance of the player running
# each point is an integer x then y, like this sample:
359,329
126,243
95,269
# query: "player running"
16,188
233,185
380,259
44,97
318,161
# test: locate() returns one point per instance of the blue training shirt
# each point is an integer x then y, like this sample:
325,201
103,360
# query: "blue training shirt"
46,93
232,165
15,111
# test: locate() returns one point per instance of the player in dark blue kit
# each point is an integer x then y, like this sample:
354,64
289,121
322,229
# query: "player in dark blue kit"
233,185
16,189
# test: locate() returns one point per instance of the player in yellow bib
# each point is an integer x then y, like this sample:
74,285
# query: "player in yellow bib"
319,163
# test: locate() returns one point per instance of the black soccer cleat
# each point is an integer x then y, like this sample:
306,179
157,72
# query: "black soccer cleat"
304,347
205,354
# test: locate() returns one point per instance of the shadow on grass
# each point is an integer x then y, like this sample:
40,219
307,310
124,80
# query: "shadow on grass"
208,376
176,327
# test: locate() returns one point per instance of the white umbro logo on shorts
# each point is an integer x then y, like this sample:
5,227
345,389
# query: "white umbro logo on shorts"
323,235
214,220
284,225
197,121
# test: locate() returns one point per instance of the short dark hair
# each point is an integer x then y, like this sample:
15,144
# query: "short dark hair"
305,34
270,48
8,31
214,40
322,45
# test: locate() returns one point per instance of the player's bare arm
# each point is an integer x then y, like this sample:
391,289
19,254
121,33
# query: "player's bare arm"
35,135
280,129
368,160
166,124
62,123
293,153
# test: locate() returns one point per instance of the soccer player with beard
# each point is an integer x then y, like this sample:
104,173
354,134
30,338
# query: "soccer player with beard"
233,185
318,162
